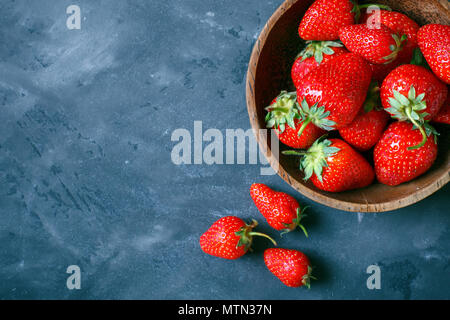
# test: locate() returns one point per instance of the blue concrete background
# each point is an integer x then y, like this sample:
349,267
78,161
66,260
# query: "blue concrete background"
87,179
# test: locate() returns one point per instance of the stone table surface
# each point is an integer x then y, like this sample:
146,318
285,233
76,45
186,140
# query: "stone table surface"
87,177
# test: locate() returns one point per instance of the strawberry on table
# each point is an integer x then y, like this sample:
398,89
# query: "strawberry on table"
378,45
334,166
229,238
315,53
281,211
292,267
395,161
412,93
331,95
283,115
434,42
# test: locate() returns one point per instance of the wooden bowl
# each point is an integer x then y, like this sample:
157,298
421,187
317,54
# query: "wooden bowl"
269,73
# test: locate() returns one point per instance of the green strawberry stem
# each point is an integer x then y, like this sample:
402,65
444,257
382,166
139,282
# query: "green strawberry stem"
408,111
294,153
262,235
304,125
304,230
280,109
296,222
306,280
246,234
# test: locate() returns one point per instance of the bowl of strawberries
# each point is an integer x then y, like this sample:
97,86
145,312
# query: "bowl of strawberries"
357,96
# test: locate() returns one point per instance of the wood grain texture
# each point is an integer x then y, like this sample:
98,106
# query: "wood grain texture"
269,73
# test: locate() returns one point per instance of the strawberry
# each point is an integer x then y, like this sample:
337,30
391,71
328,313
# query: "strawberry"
399,24
334,166
365,131
331,95
434,42
379,45
324,18
292,267
413,93
444,114
368,126
315,53
281,211
229,238
395,161
284,110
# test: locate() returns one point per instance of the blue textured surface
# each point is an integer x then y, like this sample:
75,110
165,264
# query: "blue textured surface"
86,176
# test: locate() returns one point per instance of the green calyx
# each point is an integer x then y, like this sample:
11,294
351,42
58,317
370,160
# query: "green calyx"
317,49
407,107
410,109
399,43
315,158
246,234
357,8
306,280
373,97
316,115
283,111
296,222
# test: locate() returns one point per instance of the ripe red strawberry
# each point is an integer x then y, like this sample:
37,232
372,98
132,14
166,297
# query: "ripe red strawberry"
365,131
281,211
283,115
324,18
379,46
331,95
229,238
315,53
292,267
413,93
434,42
368,126
444,114
399,24
395,161
334,166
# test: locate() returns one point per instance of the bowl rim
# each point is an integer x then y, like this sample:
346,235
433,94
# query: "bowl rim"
405,201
